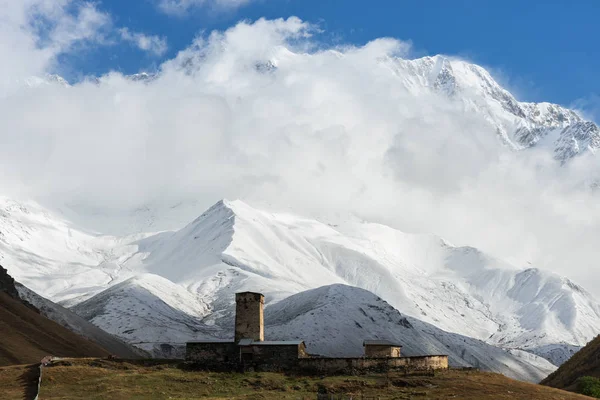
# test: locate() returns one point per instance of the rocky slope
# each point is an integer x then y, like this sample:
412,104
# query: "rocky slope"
28,336
586,362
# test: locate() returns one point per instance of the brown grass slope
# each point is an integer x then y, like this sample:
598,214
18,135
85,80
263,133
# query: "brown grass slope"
586,362
92,379
77,324
26,336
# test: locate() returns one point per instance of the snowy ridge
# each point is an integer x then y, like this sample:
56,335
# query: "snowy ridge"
520,125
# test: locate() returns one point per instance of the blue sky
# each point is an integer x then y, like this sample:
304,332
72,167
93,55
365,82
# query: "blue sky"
543,50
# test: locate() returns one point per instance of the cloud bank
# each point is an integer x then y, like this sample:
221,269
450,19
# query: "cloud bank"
263,113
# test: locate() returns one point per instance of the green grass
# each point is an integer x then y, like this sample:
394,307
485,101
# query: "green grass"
589,386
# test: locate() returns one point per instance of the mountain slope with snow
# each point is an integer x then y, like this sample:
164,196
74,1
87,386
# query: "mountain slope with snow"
458,289
147,311
174,286
334,320
234,247
48,255
520,125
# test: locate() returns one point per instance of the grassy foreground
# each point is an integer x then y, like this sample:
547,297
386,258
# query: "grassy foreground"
103,379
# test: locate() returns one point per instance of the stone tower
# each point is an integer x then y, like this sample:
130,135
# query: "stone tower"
249,316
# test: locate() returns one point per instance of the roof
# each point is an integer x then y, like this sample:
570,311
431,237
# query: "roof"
247,292
279,342
212,341
250,342
380,343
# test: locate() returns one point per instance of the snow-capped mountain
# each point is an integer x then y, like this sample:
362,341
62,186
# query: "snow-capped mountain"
520,125
174,286
49,79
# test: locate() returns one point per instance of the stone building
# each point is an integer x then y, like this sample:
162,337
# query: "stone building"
381,349
249,349
249,316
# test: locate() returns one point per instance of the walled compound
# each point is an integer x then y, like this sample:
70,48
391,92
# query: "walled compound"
249,349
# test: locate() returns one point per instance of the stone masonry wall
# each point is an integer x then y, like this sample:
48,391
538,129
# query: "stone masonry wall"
212,353
281,358
353,365
283,354
249,316
382,351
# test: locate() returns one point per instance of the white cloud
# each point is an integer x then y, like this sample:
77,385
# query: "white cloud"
179,7
153,44
328,129
35,32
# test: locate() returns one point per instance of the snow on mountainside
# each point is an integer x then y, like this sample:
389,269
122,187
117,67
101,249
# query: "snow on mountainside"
174,286
334,321
520,125
148,311
235,247
49,256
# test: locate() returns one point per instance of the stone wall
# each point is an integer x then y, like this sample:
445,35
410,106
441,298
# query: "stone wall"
428,362
382,351
226,356
282,354
272,357
358,365
212,353
249,316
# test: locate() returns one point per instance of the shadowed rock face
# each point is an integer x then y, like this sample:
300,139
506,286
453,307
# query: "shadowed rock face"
7,284
586,362
21,302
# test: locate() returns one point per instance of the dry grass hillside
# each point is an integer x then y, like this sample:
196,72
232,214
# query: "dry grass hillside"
586,362
26,336
116,380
